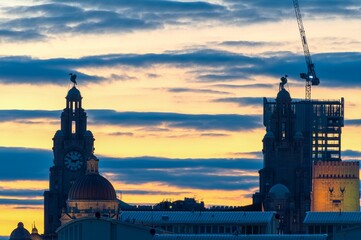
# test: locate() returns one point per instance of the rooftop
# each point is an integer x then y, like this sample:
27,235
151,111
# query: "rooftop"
333,218
197,217
231,237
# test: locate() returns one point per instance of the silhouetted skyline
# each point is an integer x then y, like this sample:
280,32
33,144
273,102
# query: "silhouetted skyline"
173,91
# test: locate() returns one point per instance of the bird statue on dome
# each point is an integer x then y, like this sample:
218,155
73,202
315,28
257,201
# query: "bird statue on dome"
73,78
283,82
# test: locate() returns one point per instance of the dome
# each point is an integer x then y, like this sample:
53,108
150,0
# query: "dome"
269,134
35,234
20,233
279,191
59,133
283,95
92,186
88,133
74,95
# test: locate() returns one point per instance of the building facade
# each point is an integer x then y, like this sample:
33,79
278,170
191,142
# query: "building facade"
91,195
205,222
73,144
297,133
335,187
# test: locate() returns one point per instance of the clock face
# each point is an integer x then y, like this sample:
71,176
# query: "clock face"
73,160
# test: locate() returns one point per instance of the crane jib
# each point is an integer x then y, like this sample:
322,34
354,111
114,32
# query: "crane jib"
310,76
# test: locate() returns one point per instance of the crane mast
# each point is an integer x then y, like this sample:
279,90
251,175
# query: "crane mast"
310,77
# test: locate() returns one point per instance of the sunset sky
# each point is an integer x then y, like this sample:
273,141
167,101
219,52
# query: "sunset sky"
173,91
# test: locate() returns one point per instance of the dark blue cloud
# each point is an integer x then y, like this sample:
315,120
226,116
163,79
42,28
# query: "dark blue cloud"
353,122
58,17
24,164
36,71
21,201
150,192
16,35
227,122
26,115
243,101
20,192
241,43
181,90
310,9
351,154
109,16
235,86
334,69
192,173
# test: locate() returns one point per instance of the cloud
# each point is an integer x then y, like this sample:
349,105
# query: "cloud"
127,134
16,35
222,173
20,192
201,122
21,201
353,122
264,9
214,135
351,154
24,116
29,70
182,90
150,192
235,86
84,17
58,18
248,43
243,101
334,69
109,16
24,164
227,122
226,174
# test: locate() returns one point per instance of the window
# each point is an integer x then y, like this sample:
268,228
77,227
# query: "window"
73,127
283,130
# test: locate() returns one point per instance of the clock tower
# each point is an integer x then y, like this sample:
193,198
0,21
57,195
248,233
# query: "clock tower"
73,144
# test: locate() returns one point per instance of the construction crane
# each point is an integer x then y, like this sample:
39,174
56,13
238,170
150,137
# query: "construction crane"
310,77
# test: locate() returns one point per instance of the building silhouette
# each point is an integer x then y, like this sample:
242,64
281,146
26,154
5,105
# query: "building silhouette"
297,134
73,145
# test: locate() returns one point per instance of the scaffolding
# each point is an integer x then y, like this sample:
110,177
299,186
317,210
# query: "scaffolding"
320,122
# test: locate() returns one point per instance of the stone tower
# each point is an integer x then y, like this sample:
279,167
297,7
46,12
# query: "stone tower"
73,144
285,177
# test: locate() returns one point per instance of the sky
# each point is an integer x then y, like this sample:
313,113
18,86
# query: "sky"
173,91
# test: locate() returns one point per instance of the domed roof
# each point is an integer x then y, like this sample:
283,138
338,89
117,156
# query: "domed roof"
92,186
88,133
20,233
279,191
269,134
74,94
283,95
35,236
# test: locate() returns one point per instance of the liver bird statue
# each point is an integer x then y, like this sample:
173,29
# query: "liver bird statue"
73,78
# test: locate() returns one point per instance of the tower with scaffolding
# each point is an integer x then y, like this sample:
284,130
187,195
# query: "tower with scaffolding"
299,132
